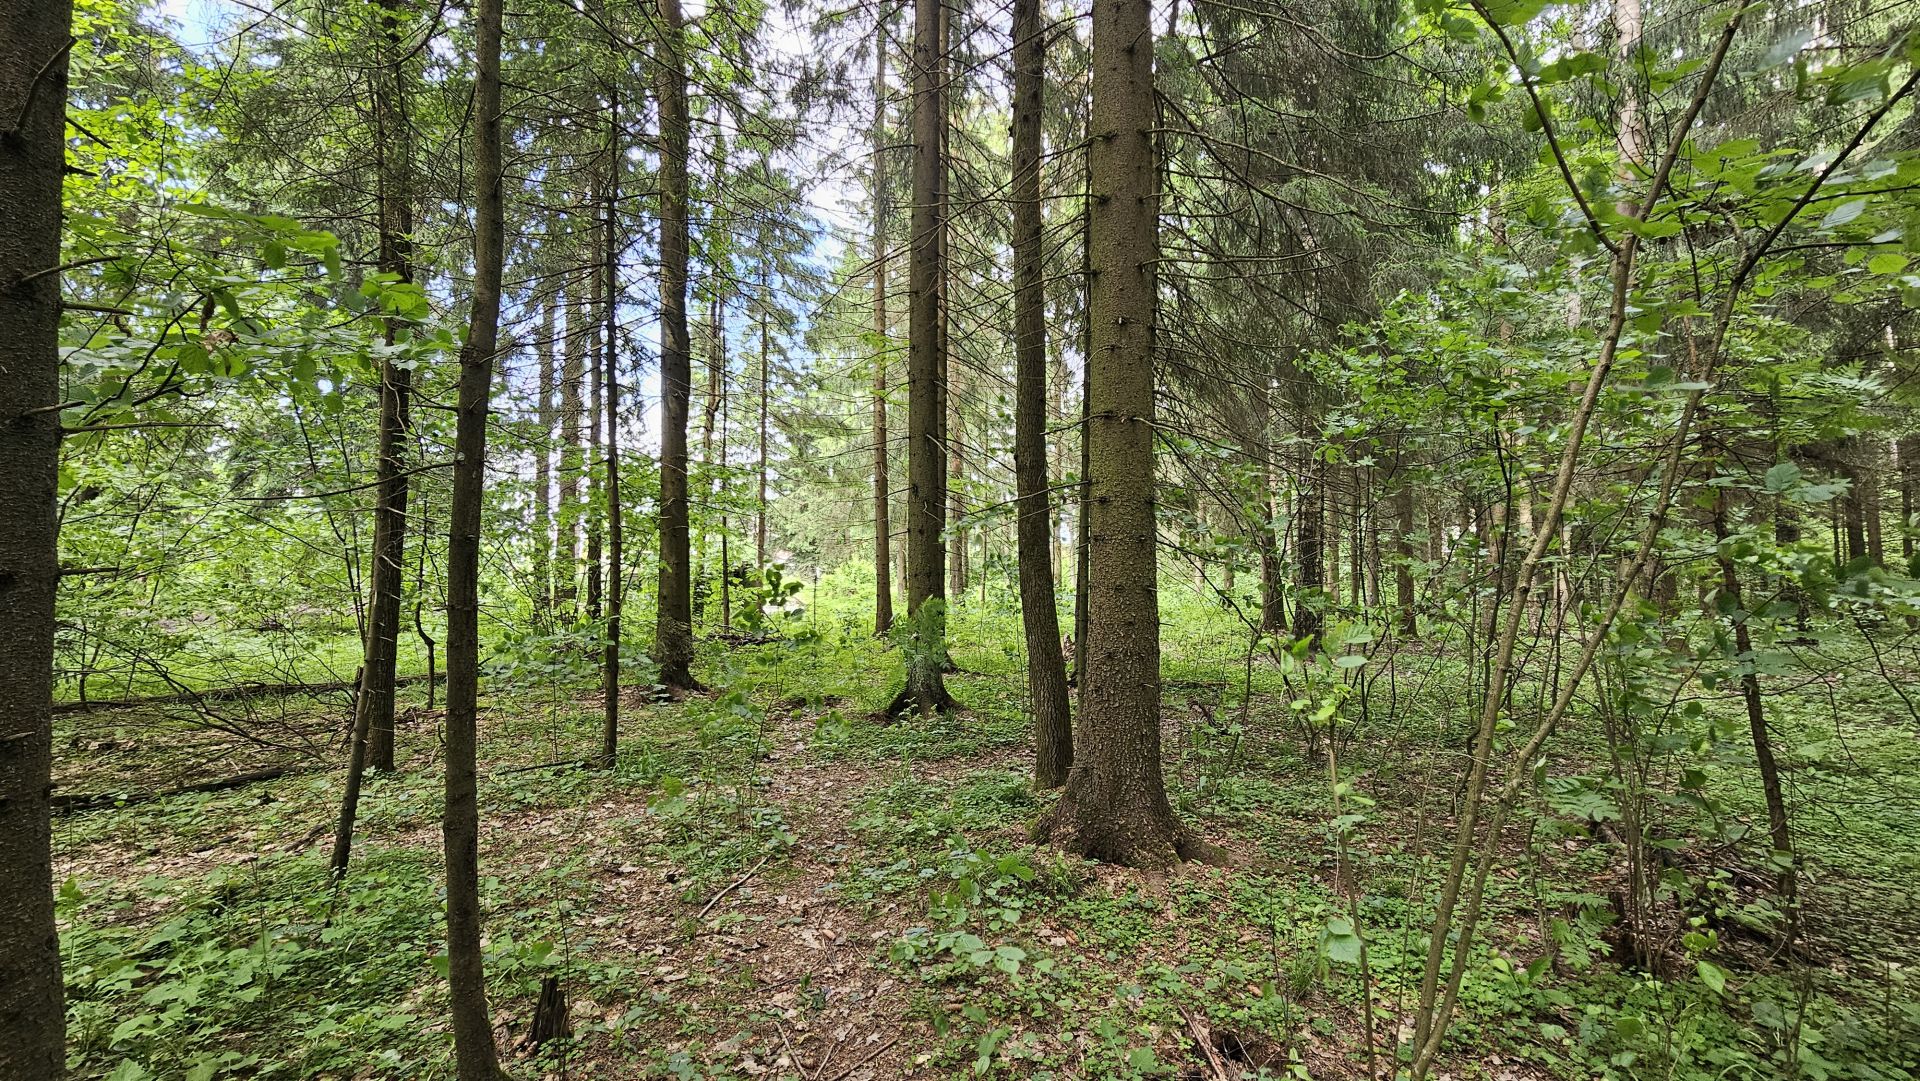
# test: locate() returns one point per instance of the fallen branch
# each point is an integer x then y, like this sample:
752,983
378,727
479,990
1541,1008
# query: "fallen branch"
68,804
864,1059
1203,1036
220,694
737,883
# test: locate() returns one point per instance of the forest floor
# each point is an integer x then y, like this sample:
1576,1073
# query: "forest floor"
775,883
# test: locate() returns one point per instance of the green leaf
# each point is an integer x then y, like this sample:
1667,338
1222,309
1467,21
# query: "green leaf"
1782,477
1887,263
1844,213
1713,976
1514,12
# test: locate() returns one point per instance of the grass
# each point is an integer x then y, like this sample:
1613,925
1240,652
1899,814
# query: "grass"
772,875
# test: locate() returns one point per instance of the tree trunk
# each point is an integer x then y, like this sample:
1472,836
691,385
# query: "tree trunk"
616,526
956,479
673,629
1114,807
475,1055
1273,610
543,469
573,373
925,688
596,400
882,539
396,388
1908,452
766,390
1870,499
372,742
33,83
1083,493
1046,671
1408,619
1309,555
1736,611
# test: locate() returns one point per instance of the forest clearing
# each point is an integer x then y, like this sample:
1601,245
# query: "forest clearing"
1235,539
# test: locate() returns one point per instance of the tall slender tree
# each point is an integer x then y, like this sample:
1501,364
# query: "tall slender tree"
1046,669
616,533
475,1055
1114,806
393,134
926,687
372,743
33,83
673,626
882,524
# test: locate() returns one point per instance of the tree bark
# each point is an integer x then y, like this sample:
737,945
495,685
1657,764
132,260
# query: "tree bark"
475,1055
372,742
1309,555
33,83
596,374
1734,607
543,468
566,590
766,390
1046,670
616,525
926,688
1273,608
1407,618
882,526
1114,807
673,629
396,388
1083,492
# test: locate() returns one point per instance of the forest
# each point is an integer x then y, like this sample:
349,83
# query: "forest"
1025,539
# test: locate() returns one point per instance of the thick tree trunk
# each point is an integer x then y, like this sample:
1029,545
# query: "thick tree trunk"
1083,494
33,83
673,628
926,656
1046,671
616,525
475,1055
1115,807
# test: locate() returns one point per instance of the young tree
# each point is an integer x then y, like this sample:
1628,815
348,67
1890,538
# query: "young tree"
33,83
474,1050
1115,807
1046,670
673,627
616,532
